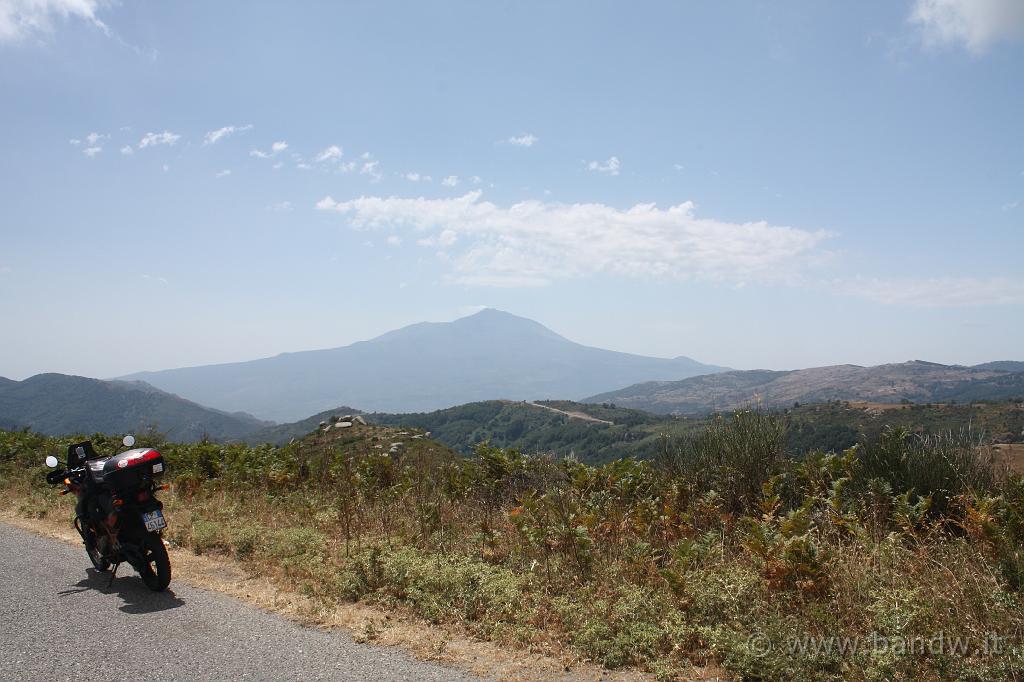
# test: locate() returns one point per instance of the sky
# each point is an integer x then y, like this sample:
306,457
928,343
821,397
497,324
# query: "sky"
757,185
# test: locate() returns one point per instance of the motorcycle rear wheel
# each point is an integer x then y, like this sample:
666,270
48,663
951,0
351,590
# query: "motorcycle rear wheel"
156,565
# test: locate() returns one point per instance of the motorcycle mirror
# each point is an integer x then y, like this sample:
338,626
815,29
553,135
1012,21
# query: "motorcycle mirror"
128,441
51,462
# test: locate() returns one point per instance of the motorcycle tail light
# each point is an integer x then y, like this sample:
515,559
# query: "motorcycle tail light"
142,496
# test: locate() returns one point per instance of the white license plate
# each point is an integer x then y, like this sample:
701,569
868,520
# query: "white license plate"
154,520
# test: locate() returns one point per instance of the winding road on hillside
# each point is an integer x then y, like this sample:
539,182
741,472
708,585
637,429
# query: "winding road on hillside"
61,621
572,415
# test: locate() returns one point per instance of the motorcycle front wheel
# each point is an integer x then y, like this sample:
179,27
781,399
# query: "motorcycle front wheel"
99,562
156,565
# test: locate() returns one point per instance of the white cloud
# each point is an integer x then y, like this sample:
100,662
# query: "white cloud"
214,136
936,292
446,238
166,168
224,173
155,278
451,181
371,168
974,24
609,167
412,177
154,139
275,149
20,19
127,150
77,142
93,138
523,140
534,243
394,240
475,179
92,151
332,153
281,206
1010,205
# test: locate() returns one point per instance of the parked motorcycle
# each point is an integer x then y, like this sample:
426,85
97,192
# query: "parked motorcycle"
118,515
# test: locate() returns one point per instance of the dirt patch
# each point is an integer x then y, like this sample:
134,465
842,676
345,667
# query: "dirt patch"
366,623
1011,455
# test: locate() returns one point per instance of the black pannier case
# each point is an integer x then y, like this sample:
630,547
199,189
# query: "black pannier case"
129,471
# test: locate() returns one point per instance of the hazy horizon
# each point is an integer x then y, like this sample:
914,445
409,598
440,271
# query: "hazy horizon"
749,186
468,314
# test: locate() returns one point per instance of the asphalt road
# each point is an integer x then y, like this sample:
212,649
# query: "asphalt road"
59,620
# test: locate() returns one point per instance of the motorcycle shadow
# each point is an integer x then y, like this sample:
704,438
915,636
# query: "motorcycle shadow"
136,596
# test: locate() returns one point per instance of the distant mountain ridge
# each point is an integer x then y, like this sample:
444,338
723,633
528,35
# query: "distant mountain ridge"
59,404
916,381
422,367
1002,366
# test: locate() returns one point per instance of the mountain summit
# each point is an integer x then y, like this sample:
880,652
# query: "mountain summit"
422,367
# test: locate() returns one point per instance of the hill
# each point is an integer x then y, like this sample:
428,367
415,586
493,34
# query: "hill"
279,434
1002,366
532,428
423,367
916,381
615,432
58,404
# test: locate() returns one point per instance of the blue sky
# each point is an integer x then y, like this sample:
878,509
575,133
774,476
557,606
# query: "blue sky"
770,185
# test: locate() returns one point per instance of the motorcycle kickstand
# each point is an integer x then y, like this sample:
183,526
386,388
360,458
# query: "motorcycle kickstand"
113,574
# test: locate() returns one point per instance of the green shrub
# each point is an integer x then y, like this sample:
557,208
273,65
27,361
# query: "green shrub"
733,456
939,467
296,541
209,536
245,540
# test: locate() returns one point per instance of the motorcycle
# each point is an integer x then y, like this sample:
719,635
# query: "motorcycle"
118,515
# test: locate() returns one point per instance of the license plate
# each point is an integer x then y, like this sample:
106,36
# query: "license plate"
154,520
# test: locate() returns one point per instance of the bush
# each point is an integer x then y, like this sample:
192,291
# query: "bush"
939,467
734,456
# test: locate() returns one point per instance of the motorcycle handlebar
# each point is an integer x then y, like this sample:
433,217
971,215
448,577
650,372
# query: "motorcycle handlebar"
58,475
